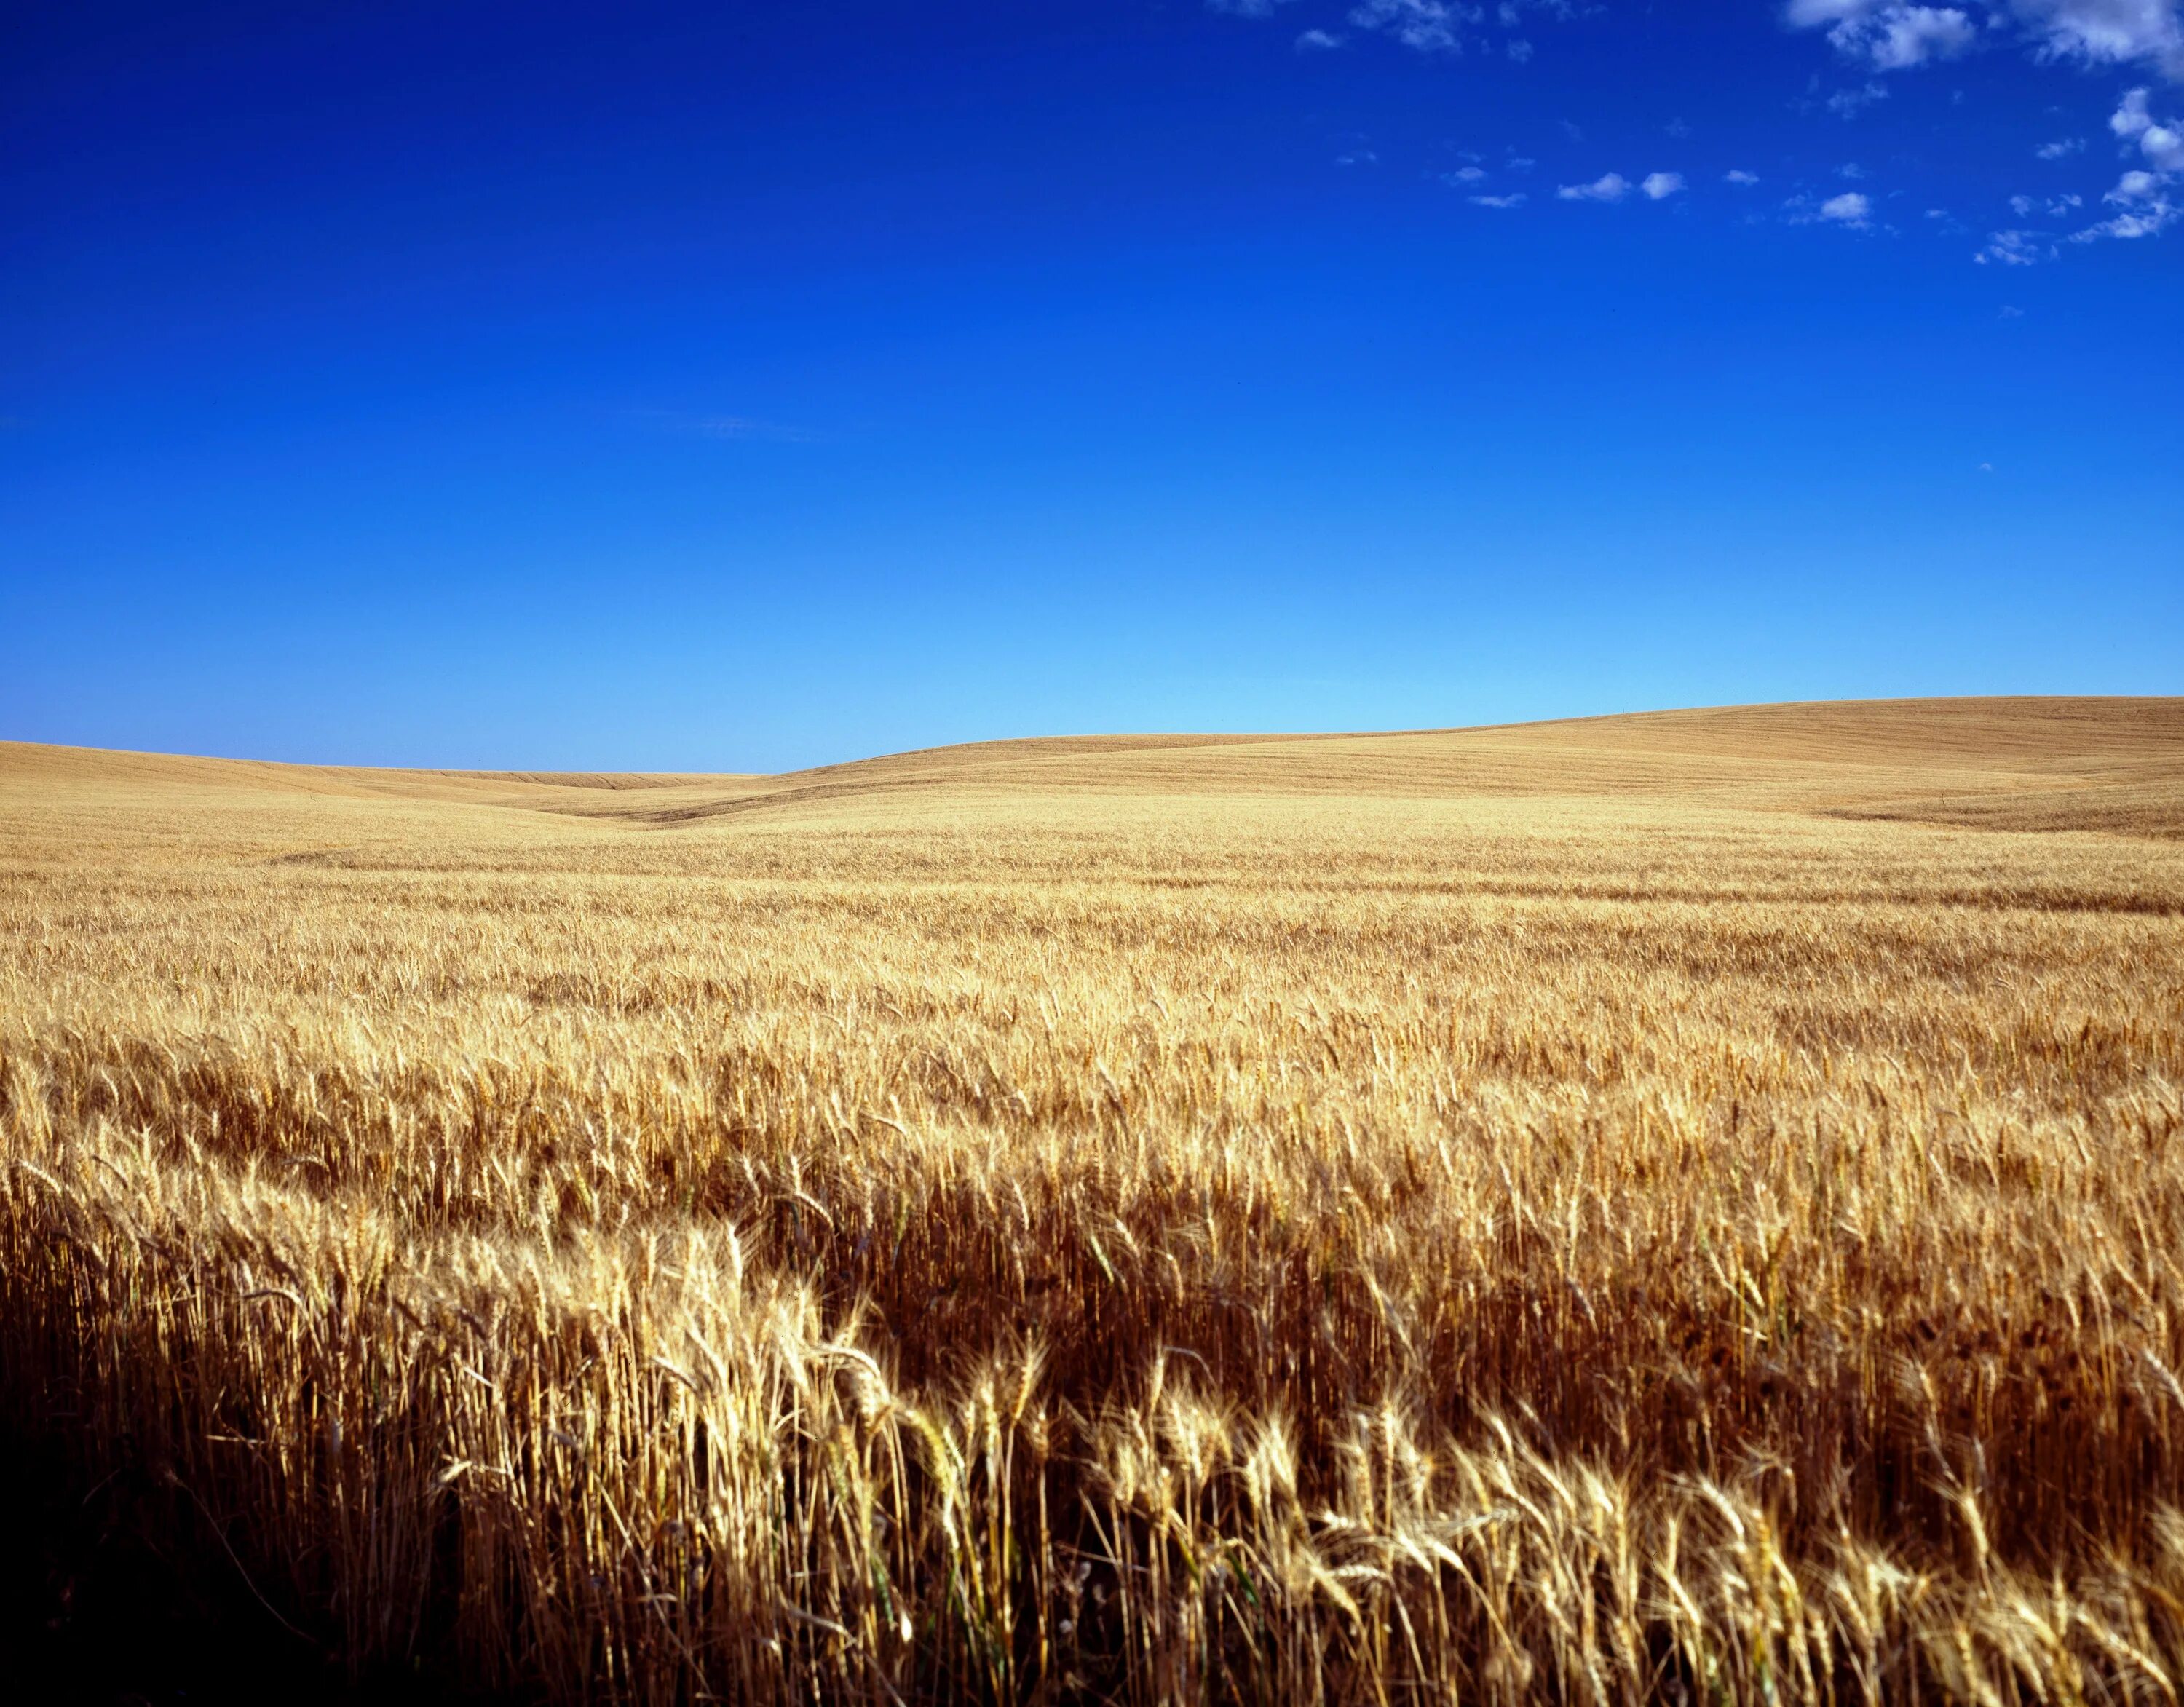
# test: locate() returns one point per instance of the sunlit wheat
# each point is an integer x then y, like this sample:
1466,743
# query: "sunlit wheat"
1684,1224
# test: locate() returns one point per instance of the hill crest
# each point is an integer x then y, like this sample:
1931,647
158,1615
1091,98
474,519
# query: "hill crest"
2024,763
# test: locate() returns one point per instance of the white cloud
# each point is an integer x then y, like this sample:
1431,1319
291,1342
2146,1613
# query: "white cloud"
2107,32
1428,25
2015,249
1912,34
1893,35
2060,150
1515,199
2144,217
1609,186
1614,187
2161,143
1466,174
1520,162
1740,176
1845,103
1886,33
1907,35
1849,209
2142,194
2147,222
724,426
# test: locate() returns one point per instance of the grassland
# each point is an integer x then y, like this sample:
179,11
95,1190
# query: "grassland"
1685,1207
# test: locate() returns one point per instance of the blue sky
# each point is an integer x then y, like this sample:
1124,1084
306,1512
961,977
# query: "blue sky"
743,386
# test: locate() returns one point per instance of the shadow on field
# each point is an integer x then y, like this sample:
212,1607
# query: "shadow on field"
119,1596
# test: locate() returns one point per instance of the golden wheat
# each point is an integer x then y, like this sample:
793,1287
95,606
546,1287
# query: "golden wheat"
1649,1210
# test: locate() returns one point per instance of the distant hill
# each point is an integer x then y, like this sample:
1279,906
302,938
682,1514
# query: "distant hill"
2112,764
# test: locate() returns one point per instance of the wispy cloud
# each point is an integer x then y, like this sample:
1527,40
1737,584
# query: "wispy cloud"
2133,121
1609,186
1846,103
2142,195
1887,35
1880,40
1614,187
1893,35
1853,208
1430,26
1426,26
2016,248
745,427
2053,206
2143,208
2107,32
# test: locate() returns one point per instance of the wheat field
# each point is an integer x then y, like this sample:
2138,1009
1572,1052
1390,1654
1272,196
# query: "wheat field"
1681,1208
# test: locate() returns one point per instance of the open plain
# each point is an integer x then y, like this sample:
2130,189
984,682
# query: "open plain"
1685,1207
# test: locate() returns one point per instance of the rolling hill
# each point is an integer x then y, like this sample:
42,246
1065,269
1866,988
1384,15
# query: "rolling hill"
2111,764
